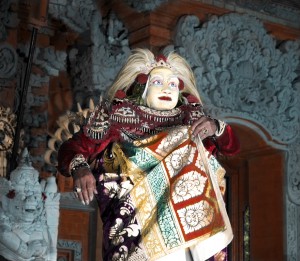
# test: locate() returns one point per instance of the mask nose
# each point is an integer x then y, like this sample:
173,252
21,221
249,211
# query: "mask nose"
166,88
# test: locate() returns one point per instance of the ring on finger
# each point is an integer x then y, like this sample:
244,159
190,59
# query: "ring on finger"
77,189
205,131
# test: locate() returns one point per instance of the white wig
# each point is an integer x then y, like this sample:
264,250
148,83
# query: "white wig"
142,61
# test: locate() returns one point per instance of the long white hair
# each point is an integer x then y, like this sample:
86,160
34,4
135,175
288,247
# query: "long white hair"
142,61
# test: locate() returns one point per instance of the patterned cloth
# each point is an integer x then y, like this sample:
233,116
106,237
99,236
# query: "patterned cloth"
125,120
158,190
156,195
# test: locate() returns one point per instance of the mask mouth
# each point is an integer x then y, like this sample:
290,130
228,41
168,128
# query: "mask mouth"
165,98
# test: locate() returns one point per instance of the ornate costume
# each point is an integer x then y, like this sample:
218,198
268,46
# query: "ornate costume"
159,189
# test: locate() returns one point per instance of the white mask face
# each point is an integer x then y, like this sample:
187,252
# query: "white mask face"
163,89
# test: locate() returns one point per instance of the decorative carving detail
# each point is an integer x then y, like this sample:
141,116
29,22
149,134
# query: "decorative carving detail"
8,61
76,14
4,5
94,70
293,171
286,10
241,72
94,67
72,245
50,62
116,32
68,125
292,222
48,59
146,5
4,18
28,214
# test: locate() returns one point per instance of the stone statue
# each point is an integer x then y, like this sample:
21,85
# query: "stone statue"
29,215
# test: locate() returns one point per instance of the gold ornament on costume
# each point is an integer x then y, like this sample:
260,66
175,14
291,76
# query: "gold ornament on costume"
7,133
7,129
68,125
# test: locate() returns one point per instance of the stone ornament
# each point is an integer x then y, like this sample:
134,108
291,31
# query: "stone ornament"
76,14
146,5
8,18
8,61
28,215
241,71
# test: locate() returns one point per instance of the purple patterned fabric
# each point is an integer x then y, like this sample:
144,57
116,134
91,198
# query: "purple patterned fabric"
121,233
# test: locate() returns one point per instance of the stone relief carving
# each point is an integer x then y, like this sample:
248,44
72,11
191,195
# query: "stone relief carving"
48,59
292,217
72,245
4,5
283,12
8,18
8,61
50,62
28,215
286,10
146,5
243,72
76,14
94,69
293,170
116,32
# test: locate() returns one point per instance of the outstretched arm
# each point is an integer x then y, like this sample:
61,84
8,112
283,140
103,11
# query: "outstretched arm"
74,157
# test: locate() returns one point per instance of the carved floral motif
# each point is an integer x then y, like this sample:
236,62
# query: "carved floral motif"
94,69
76,14
241,71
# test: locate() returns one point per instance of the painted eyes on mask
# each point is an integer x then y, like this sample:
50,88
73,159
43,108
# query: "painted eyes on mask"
171,84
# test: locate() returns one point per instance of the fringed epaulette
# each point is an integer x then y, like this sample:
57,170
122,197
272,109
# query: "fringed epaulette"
98,123
124,113
193,112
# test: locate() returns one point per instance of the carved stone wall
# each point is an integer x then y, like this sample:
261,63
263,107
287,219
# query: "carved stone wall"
244,75
94,63
283,12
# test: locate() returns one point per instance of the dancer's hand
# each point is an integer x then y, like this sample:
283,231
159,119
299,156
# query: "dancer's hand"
205,127
84,185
